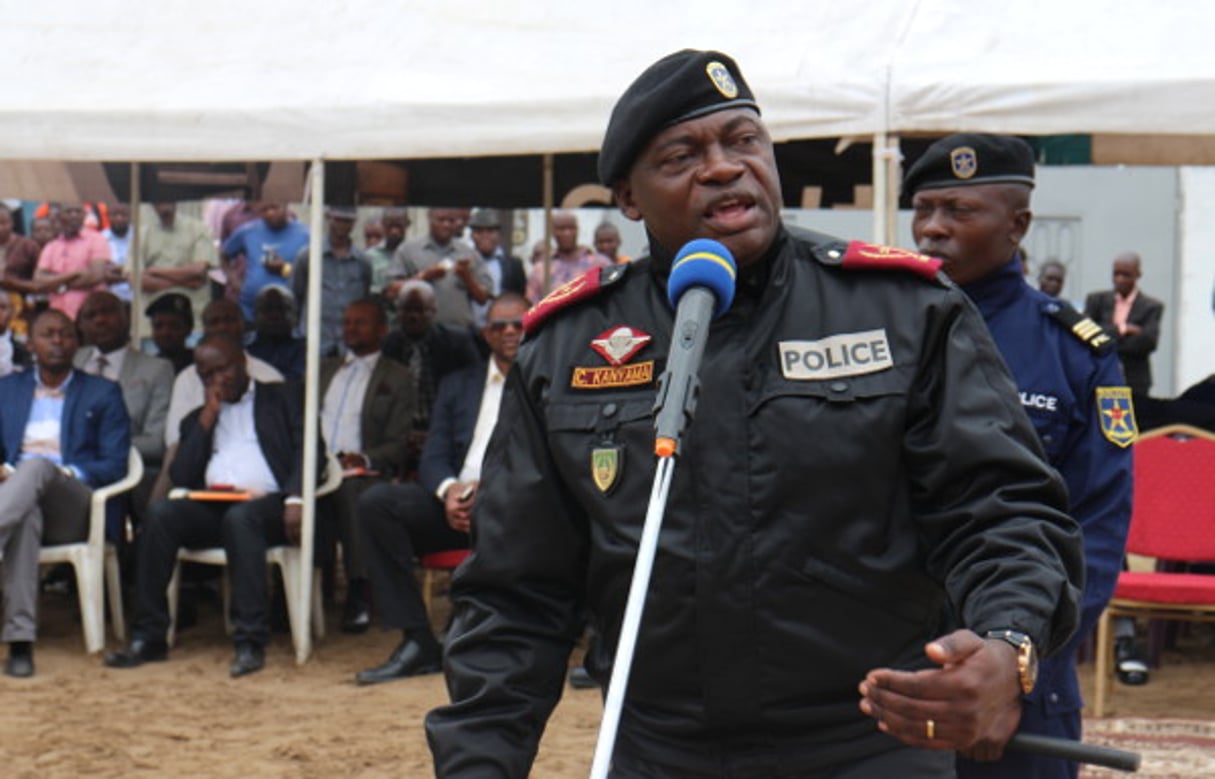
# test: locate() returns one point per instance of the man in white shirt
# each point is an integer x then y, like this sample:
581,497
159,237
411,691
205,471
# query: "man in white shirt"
246,440
403,521
367,411
220,317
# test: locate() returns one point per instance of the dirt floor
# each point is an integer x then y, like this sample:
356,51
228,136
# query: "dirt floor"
186,718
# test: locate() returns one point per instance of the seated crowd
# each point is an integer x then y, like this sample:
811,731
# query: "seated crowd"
415,344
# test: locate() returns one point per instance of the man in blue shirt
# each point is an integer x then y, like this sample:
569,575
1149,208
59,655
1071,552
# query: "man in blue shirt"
62,434
269,245
970,196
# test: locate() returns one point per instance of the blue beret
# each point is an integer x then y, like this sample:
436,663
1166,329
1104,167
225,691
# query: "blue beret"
681,86
967,159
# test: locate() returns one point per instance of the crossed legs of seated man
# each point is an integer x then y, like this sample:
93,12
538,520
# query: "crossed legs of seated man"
244,530
38,504
400,523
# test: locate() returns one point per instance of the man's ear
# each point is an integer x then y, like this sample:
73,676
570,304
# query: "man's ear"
623,193
1021,222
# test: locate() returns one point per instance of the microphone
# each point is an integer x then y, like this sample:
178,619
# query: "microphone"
700,288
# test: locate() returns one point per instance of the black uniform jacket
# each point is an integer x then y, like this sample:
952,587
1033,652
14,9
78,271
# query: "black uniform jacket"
817,528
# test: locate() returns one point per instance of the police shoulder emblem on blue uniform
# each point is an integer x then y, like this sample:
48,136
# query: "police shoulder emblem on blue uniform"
1117,415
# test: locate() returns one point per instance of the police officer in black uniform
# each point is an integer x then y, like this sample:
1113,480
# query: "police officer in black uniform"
859,481
970,194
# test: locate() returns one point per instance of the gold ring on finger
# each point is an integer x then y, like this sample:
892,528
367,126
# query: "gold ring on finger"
930,730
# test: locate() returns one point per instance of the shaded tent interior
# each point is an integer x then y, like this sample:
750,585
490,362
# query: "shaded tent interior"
818,173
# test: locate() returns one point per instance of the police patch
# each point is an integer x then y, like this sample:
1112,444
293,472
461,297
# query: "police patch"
608,376
619,344
719,74
1117,416
963,162
605,467
846,354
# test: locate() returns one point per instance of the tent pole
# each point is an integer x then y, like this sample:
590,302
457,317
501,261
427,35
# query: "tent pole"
886,158
548,222
134,266
316,198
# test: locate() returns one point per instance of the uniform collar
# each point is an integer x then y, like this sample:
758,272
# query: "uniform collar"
752,279
993,292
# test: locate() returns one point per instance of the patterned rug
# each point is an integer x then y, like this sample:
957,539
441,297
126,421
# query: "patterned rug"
1171,749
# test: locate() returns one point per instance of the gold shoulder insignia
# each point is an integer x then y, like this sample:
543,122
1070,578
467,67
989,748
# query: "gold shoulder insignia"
1080,326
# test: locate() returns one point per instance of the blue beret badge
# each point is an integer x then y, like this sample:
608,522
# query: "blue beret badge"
964,162
721,78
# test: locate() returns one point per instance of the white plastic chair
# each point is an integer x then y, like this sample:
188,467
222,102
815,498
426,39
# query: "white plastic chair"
96,562
286,557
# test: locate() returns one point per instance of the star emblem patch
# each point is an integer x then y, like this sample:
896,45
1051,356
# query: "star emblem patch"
619,344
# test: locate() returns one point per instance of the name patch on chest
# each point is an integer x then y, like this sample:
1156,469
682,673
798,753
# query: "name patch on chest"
608,376
846,354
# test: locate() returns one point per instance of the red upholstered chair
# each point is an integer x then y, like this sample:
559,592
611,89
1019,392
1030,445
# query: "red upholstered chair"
1172,519
435,563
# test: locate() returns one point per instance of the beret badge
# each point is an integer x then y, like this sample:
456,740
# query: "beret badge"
719,74
964,162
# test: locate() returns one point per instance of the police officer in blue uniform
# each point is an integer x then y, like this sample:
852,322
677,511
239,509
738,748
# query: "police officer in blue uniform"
970,194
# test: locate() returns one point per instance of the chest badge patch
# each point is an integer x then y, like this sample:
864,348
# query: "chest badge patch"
619,344
606,465
1117,415
846,354
608,376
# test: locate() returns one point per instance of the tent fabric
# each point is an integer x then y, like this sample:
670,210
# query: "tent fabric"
233,80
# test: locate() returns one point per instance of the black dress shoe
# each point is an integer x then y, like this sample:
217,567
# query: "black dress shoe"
1130,668
138,652
249,658
356,615
20,663
408,659
580,679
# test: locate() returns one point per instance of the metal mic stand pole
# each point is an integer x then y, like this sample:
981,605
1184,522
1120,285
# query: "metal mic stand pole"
640,585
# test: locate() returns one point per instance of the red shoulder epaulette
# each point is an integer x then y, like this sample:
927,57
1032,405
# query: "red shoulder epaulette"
581,288
863,256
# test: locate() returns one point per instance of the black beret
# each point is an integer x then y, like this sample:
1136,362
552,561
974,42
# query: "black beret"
681,86
172,303
966,159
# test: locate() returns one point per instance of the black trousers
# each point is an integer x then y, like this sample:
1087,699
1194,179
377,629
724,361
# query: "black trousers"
900,763
401,522
245,530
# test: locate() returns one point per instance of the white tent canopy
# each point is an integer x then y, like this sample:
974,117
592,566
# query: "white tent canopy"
234,80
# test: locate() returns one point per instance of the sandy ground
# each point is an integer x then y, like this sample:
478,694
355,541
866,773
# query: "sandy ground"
186,718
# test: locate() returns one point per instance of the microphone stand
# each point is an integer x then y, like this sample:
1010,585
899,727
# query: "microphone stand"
678,391
629,629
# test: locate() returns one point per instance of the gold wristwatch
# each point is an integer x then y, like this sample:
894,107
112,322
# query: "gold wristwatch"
1027,656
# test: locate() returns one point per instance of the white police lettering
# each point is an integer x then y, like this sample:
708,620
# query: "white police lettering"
846,354
1039,400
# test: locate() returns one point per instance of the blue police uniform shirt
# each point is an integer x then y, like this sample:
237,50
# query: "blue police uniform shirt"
1058,375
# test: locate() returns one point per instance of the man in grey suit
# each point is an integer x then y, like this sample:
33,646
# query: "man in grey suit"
1131,318
367,408
146,381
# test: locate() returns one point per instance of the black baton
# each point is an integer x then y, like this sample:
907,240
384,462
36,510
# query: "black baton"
1075,751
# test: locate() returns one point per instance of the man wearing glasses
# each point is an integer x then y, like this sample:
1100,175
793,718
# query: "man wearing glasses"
401,522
